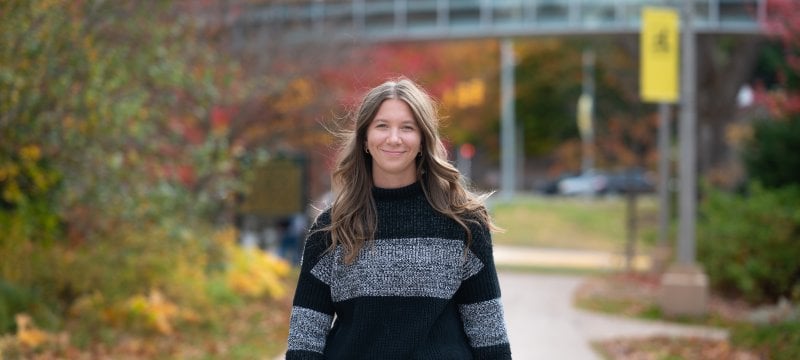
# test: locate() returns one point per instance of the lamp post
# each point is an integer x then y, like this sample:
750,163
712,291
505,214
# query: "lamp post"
508,123
685,286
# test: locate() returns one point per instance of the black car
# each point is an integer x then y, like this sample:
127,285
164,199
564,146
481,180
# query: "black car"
627,181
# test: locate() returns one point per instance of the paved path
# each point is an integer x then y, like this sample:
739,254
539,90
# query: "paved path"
542,323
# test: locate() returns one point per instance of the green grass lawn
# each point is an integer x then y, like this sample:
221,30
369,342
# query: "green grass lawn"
573,223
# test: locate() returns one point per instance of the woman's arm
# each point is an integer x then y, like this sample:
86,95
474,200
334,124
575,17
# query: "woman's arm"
312,308
478,300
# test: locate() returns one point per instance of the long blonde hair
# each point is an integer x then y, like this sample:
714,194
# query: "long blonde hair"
353,212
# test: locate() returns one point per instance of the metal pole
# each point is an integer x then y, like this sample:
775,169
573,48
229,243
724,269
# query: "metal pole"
664,115
507,122
688,154
587,162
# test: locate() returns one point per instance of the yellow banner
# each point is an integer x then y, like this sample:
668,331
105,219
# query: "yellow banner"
658,80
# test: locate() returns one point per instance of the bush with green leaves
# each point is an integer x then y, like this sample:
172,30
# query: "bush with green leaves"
771,157
779,341
750,243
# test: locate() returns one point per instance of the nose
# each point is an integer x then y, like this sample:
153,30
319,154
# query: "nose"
394,136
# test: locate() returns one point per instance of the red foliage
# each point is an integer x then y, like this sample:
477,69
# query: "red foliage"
783,23
427,64
221,117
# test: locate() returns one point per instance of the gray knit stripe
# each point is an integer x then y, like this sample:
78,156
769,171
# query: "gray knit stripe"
323,269
483,323
472,265
308,329
424,267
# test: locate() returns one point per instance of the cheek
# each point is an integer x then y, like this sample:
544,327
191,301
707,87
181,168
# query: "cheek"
418,141
372,139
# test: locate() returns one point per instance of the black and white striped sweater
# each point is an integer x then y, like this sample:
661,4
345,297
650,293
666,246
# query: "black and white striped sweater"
415,293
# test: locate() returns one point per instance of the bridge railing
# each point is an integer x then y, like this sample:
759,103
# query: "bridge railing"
409,19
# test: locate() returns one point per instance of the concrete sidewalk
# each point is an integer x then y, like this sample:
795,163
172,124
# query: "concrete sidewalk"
564,258
543,324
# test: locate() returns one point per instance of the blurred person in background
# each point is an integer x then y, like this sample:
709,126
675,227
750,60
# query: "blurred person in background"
400,266
293,229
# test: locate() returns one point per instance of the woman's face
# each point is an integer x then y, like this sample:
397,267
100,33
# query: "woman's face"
393,141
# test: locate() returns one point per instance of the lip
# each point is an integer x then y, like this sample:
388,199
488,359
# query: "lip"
393,152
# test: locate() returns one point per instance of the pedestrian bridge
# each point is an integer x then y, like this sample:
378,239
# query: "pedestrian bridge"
410,20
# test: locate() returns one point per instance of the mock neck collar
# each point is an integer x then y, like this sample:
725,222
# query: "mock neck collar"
397,193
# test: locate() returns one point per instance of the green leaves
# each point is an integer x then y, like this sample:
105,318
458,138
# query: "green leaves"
748,243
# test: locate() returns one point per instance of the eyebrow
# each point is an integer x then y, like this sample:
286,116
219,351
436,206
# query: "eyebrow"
402,122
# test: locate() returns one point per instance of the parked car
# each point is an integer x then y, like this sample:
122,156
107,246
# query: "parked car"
550,186
591,182
627,181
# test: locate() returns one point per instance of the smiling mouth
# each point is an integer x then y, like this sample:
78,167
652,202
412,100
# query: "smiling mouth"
390,152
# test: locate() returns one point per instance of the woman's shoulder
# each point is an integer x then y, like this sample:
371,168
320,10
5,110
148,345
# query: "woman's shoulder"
322,220
318,236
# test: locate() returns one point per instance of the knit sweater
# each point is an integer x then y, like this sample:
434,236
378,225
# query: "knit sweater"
413,293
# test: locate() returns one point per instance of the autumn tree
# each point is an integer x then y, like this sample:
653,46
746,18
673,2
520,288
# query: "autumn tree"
106,136
547,96
279,95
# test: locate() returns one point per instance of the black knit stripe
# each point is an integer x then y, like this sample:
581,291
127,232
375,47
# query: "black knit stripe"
496,352
316,241
304,355
411,267
313,294
412,190
308,329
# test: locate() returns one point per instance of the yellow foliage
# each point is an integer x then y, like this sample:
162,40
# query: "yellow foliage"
254,273
87,304
8,171
157,312
27,333
12,193
251,272
30,153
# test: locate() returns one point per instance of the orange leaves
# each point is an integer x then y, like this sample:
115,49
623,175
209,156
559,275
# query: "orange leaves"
29,337
466,94
27,333
299,93
151,312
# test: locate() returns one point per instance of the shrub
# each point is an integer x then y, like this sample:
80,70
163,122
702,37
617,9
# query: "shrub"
771,157
750,244
775,341
16,300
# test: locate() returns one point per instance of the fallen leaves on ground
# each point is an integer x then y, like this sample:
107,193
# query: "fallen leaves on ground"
256,330
658,348
636,295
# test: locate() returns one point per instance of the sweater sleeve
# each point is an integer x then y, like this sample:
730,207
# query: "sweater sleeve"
312,308
478,300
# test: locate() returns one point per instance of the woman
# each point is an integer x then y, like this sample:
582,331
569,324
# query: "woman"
400,266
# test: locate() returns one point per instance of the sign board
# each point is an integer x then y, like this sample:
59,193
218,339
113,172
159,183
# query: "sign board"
659,47
277,189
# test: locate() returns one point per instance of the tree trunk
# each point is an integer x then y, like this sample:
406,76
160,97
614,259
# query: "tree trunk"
724,64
